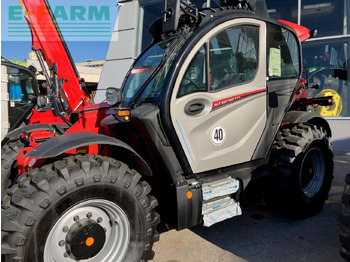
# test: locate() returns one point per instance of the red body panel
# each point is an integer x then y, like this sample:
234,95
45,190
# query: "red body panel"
301,91
303,32
44,117
89,120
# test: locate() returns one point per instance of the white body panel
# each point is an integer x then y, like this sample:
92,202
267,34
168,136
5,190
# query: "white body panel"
240,110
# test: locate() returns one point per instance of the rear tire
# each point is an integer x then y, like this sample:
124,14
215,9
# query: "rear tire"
44,213
344,221
9,168
303,169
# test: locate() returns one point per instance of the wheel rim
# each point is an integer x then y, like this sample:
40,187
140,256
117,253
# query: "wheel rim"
312,172
107,214
332,110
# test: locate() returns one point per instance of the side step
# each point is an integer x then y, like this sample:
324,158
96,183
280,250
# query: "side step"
217,202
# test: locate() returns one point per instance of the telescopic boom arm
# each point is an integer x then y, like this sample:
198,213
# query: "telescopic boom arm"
48,41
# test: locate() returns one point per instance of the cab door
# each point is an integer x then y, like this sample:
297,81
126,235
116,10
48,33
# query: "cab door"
218,104
23,93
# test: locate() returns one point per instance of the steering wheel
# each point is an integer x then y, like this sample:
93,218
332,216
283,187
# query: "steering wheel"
197,86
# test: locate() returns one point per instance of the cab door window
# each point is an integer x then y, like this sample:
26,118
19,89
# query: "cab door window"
283,53
195,78
233,57
227,59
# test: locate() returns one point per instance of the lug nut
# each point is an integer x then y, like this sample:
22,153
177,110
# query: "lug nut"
65,254
89,215
76,218
65,229
99,220
61,243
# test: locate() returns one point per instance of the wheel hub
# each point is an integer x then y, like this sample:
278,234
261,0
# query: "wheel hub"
312,172
308,173
76,237
85,239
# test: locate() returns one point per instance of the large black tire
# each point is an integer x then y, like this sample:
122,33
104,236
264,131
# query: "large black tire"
9,166
42,213
344,221
303,169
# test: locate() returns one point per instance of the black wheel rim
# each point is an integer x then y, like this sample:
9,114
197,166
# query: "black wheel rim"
312,172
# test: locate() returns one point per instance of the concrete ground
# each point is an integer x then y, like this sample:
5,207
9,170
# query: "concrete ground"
262,235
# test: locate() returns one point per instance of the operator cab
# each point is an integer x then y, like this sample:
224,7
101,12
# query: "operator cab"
209,73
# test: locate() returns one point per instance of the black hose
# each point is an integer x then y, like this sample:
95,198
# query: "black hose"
55,106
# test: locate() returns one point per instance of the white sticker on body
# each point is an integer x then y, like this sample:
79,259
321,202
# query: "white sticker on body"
218,135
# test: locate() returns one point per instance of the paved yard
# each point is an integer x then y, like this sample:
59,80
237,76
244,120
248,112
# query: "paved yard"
262,235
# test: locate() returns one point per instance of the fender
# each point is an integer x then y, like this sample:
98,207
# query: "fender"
60,144
307,117
57,127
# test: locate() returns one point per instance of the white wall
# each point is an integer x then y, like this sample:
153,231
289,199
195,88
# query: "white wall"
122,49
341,134
5,125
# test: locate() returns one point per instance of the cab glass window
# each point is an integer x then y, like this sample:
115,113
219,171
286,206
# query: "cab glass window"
20,84
233,57
195,78
228,59
153,90
143,69
283,53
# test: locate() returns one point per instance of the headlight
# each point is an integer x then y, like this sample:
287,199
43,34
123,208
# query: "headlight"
113,96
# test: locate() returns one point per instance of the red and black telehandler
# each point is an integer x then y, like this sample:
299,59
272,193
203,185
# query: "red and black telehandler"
205,116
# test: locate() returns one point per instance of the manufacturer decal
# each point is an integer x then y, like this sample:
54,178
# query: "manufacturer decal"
218,135
232,99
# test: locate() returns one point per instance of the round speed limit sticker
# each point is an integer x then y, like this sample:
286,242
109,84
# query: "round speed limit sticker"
218,135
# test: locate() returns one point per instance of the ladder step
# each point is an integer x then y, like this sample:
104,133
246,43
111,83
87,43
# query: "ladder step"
219,210
219,188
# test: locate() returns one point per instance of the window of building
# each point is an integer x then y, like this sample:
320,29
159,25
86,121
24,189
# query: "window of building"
283,53
283,10
327,65
150,10
324,15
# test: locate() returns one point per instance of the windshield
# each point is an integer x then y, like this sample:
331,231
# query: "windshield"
143,69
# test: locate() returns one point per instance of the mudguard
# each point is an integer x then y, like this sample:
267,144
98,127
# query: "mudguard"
307,117
60,144
57,127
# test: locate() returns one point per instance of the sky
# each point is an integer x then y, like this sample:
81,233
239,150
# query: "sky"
80,50
82,23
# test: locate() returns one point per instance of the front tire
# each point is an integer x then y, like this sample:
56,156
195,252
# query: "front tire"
303,171
78,208
9,168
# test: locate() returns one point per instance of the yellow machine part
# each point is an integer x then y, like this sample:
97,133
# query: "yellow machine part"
333,110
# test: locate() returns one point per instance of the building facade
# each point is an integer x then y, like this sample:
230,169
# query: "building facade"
325,57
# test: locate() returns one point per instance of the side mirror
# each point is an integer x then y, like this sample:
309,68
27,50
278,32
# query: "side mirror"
171,15
313,33
54,68
113,96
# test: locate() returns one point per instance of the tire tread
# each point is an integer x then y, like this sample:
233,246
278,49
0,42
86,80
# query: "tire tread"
38,190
